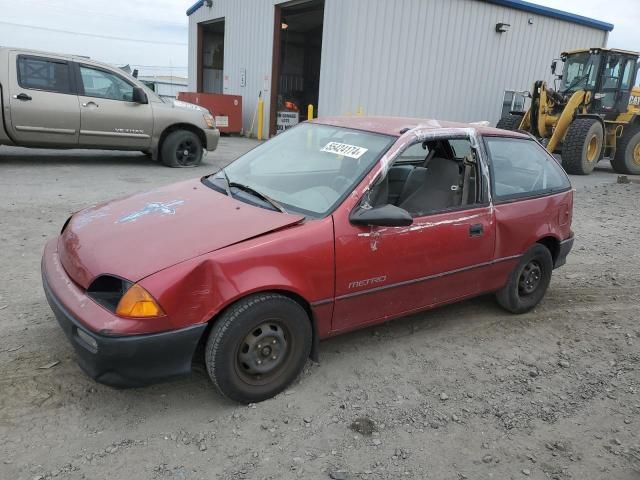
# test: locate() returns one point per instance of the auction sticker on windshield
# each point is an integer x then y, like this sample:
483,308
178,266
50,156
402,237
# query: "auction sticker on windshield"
351,151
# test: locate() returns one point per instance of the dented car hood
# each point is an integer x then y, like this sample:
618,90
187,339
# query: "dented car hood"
139,235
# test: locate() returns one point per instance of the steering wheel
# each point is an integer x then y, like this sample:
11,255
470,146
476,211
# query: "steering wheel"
114,92
339,183
537,179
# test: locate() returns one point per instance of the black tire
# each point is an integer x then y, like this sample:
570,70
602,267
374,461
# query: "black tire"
258,347
509,122
627,158
582,146
181,148
519,296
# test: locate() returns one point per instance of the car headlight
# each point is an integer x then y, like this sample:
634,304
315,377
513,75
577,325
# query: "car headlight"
138,303
209,120
124,298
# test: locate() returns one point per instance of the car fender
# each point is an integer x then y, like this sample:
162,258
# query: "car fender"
297,260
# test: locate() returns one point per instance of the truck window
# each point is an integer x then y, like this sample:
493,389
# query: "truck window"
102,84
40,73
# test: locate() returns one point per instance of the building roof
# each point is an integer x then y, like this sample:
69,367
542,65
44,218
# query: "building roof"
517,5
553,13
396,126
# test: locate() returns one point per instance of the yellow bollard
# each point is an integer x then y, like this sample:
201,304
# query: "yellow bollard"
310,112
360,111
260,117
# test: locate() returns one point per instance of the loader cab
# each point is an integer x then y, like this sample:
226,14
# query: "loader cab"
608,74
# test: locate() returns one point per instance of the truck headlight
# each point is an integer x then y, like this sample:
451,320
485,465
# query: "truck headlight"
209,120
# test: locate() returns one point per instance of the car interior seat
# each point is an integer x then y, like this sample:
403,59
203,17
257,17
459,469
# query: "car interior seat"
434,188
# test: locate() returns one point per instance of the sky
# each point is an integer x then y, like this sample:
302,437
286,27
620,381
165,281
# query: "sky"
624,14
151,35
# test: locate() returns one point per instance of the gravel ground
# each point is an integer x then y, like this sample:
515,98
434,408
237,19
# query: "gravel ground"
462,392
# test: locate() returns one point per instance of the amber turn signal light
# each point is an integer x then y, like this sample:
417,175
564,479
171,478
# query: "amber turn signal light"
138,303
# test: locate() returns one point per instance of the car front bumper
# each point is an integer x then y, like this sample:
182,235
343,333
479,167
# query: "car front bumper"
118,361
213,136
565,248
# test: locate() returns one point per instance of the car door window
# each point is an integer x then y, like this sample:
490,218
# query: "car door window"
441,181
523,168
103,84
40,73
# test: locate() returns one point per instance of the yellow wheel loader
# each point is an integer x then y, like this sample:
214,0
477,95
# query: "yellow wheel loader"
594,111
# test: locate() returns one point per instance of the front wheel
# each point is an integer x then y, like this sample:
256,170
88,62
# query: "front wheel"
627,158
258,347
181,148
528,282
582,146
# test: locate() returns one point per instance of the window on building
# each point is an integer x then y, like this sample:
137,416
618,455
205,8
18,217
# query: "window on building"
44,74
522,168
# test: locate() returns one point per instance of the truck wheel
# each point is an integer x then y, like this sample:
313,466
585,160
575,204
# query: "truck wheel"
509,122
627,158
528,282
582,146
181,148
258,347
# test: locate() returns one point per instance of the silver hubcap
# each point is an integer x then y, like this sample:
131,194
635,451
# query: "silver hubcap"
263,350
530,278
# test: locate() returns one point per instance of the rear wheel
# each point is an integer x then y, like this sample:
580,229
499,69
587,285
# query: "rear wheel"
627,158
582,146
181,148
509,122
258,347
528,282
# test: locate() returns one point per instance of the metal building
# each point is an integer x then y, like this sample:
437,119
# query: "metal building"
446,59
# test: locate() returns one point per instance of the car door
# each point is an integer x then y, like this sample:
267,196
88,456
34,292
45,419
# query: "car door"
43,105
385,272
108,116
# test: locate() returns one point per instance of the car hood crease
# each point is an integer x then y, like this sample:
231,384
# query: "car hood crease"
136,236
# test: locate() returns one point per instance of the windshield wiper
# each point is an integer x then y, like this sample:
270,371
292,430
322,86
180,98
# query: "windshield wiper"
227,185
255,193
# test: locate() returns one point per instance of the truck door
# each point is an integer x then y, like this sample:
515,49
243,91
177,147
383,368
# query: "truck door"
108,116
43,105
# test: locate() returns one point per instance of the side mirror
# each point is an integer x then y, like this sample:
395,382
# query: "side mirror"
382,216
139,96
554,65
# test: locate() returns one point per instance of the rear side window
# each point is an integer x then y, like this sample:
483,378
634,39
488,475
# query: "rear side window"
523,168
44,74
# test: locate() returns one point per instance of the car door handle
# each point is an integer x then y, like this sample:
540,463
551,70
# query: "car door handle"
475,230
22,96
90,103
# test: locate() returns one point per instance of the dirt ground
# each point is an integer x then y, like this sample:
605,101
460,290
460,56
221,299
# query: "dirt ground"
462,392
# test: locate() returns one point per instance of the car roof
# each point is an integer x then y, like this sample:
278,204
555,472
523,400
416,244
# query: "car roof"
396,126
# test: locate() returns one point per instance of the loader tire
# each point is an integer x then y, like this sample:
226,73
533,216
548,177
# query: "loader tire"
627,158
582,146
509,122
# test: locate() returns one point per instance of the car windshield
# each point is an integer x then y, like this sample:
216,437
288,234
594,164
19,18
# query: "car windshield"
308,169
580,71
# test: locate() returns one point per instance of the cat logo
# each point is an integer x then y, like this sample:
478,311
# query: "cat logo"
634,100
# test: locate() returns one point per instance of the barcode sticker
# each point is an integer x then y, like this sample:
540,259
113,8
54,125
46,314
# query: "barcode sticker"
351,151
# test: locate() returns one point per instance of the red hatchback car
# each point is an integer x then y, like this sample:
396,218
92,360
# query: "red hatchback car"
334,225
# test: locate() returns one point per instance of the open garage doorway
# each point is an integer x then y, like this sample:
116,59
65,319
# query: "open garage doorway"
297,49
211,56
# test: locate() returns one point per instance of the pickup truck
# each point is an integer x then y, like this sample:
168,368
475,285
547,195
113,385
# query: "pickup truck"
50,100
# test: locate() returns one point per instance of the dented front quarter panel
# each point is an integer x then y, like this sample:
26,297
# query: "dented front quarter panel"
297,260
